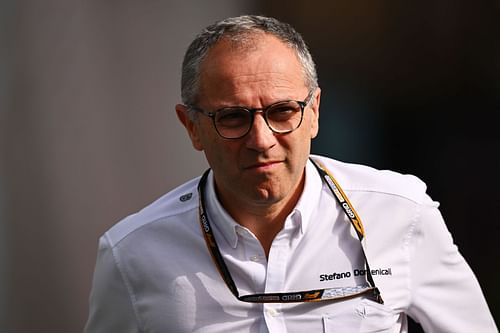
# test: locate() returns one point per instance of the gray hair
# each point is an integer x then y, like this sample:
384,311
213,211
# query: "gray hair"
238,29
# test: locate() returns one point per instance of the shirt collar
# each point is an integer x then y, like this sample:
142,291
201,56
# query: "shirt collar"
219,217
302,212
310,196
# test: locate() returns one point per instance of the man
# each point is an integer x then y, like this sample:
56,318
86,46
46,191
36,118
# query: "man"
272,239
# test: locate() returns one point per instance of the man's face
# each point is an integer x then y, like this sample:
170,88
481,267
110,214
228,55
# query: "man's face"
261,168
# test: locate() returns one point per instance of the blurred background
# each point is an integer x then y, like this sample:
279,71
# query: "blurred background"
88,132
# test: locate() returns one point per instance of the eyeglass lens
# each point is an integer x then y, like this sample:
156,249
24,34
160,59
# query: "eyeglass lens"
281,117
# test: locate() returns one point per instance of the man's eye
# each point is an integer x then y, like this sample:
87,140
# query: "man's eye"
282,112
232,117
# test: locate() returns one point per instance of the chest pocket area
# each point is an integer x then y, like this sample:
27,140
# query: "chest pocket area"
365,317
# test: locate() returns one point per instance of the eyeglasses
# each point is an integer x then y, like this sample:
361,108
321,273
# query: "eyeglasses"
235,122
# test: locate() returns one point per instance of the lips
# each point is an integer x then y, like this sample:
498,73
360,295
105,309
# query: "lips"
263,165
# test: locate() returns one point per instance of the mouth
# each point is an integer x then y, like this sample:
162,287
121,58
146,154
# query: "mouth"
263,166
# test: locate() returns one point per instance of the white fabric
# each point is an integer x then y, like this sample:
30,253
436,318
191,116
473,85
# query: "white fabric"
155,274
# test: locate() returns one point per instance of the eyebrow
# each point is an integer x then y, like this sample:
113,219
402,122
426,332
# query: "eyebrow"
264,107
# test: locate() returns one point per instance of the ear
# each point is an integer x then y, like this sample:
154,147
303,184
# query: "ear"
191,126
315,113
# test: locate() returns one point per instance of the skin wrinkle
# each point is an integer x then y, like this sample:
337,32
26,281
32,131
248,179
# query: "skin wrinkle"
239,84
227,101
246,45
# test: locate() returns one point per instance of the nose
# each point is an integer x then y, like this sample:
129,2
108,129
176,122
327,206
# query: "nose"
260,138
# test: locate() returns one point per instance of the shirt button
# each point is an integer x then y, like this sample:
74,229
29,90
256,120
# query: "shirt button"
255,258
272,312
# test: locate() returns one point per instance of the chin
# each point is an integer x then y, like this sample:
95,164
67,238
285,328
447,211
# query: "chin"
268,196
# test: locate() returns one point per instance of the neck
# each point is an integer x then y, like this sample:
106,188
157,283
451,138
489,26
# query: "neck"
264,220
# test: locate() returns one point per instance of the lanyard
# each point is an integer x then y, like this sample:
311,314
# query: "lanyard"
314,295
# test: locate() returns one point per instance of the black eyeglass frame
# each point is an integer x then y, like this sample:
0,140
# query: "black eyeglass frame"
303,104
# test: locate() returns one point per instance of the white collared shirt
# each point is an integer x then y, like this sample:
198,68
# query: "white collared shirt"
155,274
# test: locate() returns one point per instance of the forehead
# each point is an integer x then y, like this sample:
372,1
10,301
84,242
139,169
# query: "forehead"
255,61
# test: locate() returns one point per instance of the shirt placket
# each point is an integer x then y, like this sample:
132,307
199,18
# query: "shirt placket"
275,277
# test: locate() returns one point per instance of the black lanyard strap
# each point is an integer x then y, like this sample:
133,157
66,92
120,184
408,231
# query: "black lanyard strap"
315,295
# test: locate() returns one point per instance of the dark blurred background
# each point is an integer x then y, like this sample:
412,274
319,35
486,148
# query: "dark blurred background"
88,132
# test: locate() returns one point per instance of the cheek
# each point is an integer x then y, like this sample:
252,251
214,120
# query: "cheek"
300,147
199,135
221,154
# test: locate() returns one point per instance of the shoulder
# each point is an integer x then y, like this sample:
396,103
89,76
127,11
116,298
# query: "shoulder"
168,209
357,177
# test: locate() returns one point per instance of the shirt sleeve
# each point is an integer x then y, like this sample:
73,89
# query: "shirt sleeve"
111,302
445,294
